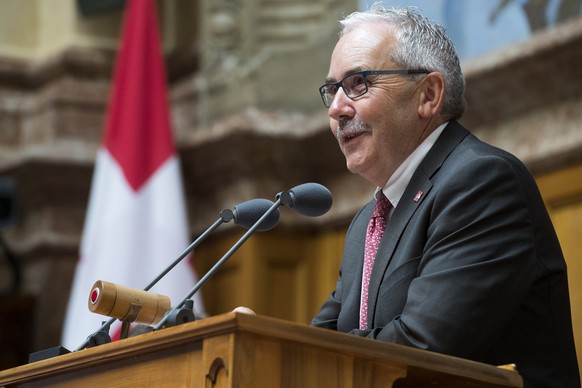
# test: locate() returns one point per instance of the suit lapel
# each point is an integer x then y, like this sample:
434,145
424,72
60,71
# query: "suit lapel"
416,192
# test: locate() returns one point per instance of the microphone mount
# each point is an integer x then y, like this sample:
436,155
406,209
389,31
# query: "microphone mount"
243,211
219,263
311,199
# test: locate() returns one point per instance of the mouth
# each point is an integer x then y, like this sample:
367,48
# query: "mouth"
347,137
349,131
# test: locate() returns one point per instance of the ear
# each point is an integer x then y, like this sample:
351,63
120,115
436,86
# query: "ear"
432,95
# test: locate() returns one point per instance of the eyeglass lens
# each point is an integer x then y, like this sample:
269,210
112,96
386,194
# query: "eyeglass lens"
354,85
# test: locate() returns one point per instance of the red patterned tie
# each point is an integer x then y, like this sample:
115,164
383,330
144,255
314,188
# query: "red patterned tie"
373,236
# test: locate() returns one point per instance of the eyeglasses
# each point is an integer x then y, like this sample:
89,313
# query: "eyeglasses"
356,84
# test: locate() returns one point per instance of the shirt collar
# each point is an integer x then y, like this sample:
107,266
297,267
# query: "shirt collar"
397,183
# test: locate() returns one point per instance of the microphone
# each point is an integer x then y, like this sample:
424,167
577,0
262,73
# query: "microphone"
127,304
246,213
264,220
309,199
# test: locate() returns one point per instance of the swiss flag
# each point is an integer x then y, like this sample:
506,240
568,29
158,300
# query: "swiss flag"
136,223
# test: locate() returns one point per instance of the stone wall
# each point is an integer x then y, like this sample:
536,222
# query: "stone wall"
527,98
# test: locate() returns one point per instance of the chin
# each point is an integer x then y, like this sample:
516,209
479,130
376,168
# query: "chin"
354,168
361,167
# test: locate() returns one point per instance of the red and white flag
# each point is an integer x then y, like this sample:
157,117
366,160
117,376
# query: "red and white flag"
136,223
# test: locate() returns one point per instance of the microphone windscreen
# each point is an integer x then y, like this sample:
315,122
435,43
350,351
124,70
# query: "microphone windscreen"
246,214
310,199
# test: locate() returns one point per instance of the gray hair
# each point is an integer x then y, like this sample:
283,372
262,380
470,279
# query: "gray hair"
420,44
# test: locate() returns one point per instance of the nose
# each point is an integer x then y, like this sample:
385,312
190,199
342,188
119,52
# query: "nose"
341,106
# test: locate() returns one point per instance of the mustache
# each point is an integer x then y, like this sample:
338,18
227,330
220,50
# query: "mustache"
350,128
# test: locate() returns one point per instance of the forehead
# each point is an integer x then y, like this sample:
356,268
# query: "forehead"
366,47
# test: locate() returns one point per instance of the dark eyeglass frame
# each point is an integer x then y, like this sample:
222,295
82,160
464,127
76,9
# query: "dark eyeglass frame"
324,89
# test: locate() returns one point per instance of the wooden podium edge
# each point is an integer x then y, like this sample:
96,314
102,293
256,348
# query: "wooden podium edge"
409,358
117,350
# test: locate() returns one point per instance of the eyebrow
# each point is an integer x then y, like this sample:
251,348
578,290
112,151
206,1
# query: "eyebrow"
331,80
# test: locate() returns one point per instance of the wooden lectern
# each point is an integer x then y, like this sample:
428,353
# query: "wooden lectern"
238,350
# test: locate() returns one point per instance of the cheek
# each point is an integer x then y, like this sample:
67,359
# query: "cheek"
375,107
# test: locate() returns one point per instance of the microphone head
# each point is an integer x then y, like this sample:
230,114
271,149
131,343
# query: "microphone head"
246,214
309,199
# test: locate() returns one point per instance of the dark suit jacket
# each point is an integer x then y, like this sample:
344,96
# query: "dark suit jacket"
472,268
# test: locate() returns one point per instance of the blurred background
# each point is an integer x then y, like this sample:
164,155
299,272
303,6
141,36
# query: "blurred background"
248,122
